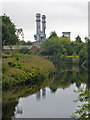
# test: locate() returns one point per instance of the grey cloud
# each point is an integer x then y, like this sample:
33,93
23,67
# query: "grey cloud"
60,15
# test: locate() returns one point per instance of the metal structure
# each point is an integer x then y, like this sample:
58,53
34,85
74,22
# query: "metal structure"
40,35
66,34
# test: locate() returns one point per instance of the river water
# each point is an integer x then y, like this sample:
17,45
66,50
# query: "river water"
54,100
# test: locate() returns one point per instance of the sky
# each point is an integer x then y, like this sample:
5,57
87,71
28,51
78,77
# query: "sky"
61,16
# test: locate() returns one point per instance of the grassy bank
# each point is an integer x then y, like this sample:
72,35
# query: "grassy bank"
20,69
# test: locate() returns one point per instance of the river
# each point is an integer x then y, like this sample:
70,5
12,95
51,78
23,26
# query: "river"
54,100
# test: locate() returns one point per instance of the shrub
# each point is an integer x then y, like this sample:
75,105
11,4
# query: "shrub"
11,64
18,65
24,50
29,69
6,56
17,58
82,56
4,67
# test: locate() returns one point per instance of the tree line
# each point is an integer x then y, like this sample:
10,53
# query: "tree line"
60,47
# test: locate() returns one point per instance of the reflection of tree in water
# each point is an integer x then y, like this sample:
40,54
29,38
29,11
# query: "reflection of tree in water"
66,77
8,110
11,96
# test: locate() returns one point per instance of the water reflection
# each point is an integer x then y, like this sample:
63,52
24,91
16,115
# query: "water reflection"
41,94
67,77
44,93
38,95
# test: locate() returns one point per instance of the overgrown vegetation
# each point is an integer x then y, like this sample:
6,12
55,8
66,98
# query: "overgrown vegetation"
9,36
62,47
24,50
83,110
21,69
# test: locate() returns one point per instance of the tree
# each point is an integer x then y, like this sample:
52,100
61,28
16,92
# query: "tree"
22,42
66,44
8,31
82,56
24,50
52,46
74,54
87,47
20,32
78,39
28,43
53,34
83,110
78,47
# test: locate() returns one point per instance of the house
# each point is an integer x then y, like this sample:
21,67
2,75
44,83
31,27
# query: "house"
33,49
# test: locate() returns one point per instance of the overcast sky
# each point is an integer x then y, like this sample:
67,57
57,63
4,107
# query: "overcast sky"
61,16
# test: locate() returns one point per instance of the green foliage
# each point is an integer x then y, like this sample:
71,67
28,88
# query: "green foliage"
83,110
78,47
24,50
28,69
82,54
78,39
10,63
74,54
28,43
8,31
52,46
24,43
61,47
56,45
16,65
5,67
66,43
66,75
6,56
17,58
21,42
53,34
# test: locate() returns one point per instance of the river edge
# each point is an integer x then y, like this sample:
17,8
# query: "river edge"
19,69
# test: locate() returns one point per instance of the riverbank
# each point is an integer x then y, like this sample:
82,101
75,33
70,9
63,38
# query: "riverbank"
21,69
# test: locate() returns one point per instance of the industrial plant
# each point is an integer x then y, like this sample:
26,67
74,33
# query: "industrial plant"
40,35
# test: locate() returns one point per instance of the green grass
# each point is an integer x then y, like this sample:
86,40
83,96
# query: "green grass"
72,56
26,69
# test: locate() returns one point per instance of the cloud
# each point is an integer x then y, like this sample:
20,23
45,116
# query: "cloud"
61,16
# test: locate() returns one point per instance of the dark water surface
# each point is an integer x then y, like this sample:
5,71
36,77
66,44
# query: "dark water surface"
54,100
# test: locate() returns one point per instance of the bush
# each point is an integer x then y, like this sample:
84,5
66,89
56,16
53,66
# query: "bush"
9,63
24,50
17,58
29,69
4,67
6,56
82,55
85,63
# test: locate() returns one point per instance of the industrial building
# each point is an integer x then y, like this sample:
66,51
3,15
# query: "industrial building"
40,35
66,34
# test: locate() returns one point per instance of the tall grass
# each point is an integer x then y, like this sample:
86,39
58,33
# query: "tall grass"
26,69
